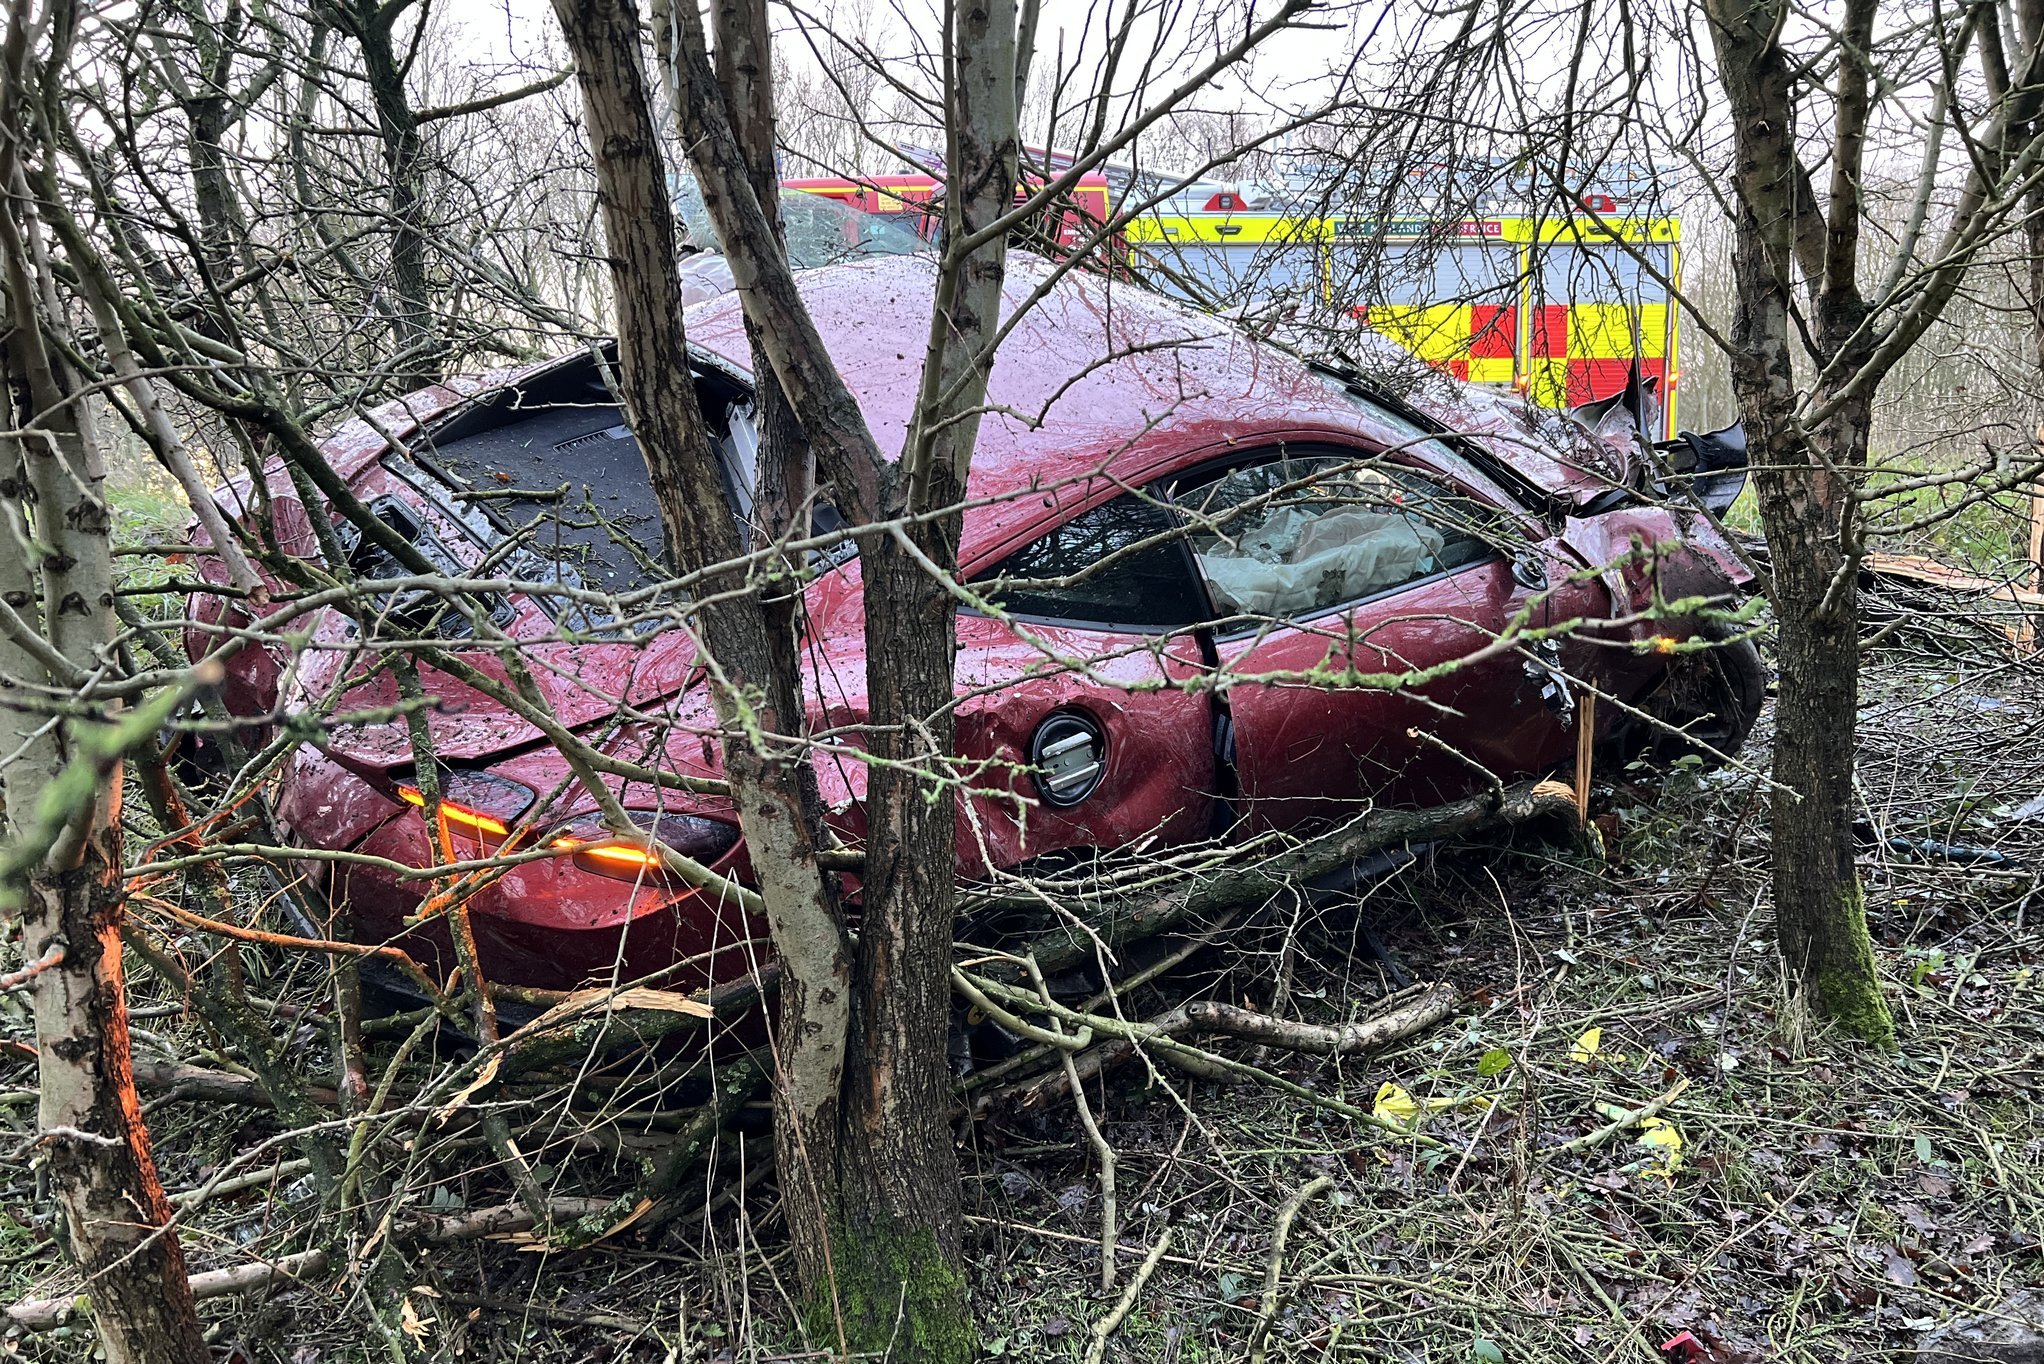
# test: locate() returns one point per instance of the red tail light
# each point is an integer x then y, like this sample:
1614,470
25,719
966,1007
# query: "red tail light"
475,804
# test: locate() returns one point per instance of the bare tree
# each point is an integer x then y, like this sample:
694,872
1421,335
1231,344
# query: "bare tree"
60,789
866,1158
1803,270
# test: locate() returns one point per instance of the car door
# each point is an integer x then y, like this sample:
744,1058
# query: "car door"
1082,715
1359,604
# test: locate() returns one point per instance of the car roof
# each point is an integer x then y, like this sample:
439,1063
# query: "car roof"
1100,383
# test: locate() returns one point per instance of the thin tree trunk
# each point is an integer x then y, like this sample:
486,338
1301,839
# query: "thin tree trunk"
413,331
897,1166
1820,911
95,1144
900,1272
888,1276
1803,481
768,786
116,1220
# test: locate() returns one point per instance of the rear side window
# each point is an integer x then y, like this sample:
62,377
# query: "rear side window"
1298,535
1121,564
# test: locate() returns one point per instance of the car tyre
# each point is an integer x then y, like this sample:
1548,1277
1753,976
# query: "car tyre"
1712,696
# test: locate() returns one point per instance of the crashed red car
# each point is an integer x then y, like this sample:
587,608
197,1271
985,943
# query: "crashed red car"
1210,557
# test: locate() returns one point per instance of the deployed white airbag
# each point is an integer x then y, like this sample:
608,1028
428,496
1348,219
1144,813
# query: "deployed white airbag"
1302,559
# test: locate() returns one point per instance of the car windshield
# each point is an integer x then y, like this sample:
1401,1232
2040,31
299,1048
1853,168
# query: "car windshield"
820,230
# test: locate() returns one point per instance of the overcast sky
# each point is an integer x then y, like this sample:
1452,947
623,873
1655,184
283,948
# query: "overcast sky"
1286,72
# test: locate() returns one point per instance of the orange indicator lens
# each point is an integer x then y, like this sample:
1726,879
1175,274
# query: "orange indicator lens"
457,814
620,855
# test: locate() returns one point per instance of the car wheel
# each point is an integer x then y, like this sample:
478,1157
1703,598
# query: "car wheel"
1711,696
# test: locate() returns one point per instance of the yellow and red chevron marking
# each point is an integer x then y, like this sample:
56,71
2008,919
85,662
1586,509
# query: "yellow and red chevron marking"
1578,353
1474,341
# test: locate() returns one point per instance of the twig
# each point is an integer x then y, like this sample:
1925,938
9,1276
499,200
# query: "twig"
1611,1129
1101,1149
220,1188
1430,1006
1266,1312
1049,1037
14,980
1111,1323
504,1220
1204,1063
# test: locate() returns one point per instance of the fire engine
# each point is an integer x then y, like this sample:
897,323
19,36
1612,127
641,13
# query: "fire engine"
1083,207
1560,307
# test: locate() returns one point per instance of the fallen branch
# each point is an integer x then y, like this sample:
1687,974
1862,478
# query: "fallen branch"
1102,1150
1266,1313
1435,1003
1026,1061
1116,921
1431,1005
1111,1323
504,1219
256,1179
587,1018
1197,1061
47,1314
215,1086
14,980
1591,1140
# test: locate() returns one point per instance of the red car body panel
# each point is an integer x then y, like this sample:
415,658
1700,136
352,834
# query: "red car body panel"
1100,388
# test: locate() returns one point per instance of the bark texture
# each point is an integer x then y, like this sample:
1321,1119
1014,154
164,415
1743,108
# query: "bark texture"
884,1273
372,25
60,795
1803,478
95,1144
897,1167
756,689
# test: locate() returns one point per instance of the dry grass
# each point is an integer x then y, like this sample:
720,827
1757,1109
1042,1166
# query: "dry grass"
1830,1203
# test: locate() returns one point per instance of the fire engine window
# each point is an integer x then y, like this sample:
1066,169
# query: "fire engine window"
1431,274
819,230
1602,273
1293,536
1204,272
1121,564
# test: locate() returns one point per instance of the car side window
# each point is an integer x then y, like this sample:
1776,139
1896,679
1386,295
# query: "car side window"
1301,534
1121,564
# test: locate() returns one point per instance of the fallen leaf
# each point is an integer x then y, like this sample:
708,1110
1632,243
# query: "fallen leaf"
1663,1141
1395,1106
1585,1049
1900,1272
